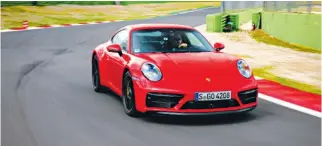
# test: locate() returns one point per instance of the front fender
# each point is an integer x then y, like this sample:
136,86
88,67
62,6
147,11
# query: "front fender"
134,67
99,51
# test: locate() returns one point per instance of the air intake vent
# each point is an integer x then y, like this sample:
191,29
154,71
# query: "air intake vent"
248,96
162,100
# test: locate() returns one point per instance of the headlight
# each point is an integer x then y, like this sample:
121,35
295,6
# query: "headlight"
244,68
151,71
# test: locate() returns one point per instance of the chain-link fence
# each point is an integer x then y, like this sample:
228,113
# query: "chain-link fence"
232,6
293,6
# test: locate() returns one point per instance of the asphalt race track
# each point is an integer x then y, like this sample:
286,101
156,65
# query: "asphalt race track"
48,100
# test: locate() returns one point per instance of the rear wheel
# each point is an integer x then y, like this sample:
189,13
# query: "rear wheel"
128,96
95,75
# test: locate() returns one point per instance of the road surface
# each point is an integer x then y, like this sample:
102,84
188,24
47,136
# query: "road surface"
48,100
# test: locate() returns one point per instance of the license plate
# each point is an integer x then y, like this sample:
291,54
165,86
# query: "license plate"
212,96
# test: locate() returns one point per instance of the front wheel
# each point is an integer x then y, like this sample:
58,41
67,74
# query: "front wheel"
128,96
95,75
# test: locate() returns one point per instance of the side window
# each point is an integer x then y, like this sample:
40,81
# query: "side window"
125,42
121,38
115,38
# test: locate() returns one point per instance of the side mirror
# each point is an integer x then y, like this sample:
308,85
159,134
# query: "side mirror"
115,48
219,46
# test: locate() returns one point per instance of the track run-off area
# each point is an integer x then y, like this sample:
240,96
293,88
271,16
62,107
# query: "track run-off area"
48,100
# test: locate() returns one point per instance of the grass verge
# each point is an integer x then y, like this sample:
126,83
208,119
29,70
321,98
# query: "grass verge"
264,73
13,16
260,36
51,3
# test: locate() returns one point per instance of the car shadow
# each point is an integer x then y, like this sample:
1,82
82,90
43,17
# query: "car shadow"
190,120
201,120
112,94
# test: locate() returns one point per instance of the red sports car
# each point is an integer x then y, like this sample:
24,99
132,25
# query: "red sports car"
172,69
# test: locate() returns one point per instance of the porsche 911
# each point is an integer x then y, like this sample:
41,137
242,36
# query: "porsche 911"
172,69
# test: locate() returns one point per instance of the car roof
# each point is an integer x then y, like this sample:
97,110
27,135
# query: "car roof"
157,25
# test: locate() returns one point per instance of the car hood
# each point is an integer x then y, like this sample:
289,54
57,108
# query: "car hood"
194,68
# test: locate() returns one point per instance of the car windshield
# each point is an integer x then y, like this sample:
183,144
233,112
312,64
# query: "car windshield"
169,41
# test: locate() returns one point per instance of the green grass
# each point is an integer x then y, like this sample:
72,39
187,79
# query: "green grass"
264,73
13,16
260,36
49,3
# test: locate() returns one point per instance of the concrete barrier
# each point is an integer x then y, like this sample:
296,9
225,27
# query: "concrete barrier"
246,15
215,23
295,28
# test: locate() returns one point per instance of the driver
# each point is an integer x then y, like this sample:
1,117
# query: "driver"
175,41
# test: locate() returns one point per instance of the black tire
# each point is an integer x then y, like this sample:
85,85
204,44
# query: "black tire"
128,98
96,82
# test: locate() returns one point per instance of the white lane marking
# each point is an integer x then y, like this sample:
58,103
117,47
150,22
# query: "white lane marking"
30,28
55,25
8,30
76,24
290,105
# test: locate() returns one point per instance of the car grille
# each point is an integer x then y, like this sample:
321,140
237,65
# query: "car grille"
210,104
162,100
248,96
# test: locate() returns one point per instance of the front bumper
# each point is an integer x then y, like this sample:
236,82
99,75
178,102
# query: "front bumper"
204,113
174,102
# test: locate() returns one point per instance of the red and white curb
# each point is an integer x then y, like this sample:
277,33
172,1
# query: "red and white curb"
290,105
291,98
25,26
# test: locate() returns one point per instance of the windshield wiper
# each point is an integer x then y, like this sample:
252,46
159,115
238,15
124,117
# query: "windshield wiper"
179,51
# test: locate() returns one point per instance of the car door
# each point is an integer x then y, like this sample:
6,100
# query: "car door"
117,62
